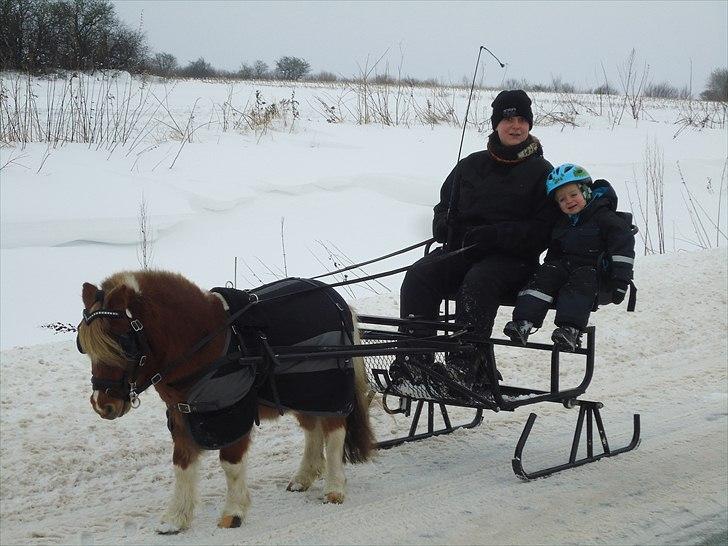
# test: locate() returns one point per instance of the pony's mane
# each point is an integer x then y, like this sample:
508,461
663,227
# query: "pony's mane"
150,288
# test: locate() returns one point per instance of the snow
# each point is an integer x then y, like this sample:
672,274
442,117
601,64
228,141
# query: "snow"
345,191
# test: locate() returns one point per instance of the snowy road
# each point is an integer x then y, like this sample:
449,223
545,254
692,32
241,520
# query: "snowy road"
69,477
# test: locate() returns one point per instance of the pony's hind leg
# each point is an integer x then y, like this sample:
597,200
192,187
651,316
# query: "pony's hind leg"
312,463
334,429
233,460
182,505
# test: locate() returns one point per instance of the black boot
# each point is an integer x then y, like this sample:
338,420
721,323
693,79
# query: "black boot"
465,369
567,338
410,369
518,330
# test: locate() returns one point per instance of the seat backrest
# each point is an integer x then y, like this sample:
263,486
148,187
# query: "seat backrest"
604,270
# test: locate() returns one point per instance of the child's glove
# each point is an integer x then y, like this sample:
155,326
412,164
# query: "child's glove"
484,236
620,290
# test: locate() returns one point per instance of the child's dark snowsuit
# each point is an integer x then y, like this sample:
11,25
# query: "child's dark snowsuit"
569,272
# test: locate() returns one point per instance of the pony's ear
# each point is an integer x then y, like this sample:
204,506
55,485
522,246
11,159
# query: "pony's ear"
88,294
119,297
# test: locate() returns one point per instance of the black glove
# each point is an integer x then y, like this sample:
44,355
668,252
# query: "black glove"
439,231
484,236
620,290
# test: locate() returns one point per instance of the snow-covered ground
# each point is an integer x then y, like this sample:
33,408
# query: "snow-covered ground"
345,191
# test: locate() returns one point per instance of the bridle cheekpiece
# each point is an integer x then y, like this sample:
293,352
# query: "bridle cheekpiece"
135,347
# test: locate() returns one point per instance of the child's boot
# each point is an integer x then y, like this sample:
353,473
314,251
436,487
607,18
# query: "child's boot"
518,330
567,338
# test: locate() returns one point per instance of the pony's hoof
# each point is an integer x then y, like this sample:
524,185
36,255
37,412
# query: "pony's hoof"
296,486
230,522
334,497
165,528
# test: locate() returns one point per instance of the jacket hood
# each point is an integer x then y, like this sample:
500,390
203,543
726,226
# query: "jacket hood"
602,196
603,191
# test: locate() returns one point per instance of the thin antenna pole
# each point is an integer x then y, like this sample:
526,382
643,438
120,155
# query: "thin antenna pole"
451,212
472,88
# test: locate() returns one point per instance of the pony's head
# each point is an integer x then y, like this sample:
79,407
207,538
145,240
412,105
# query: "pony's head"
114,341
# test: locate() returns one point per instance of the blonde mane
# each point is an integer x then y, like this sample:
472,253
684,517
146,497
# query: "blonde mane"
95,338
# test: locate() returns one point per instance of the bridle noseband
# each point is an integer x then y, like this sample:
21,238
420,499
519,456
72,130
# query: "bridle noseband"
134,346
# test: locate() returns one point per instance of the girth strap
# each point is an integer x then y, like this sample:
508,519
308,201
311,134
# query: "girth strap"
269,373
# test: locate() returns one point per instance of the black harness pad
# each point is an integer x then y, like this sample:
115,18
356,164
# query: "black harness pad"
294,316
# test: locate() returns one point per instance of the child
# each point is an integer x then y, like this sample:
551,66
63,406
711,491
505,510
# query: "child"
589,229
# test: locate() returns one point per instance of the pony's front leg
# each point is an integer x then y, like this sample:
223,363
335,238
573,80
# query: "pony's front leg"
233,460
182,505
334,435
312,463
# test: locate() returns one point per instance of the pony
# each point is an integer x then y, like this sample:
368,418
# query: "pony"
139,330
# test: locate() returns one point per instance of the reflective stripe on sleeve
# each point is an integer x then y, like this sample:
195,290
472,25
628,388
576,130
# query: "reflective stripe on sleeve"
536,294
623,259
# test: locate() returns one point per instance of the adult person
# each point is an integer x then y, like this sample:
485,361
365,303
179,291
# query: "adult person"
495,219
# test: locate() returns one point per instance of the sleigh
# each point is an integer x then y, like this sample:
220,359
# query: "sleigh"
424,410
383,338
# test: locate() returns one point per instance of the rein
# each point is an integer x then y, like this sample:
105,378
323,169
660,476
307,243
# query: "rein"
128,389
395,253
118,389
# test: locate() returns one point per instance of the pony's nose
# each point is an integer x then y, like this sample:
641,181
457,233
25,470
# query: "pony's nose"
108,412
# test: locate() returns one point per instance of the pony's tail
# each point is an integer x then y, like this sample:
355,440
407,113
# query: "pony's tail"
359,441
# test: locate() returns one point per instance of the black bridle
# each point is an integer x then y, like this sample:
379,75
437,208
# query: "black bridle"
135,349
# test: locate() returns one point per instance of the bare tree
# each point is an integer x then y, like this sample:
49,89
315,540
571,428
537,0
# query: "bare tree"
163,64
717,88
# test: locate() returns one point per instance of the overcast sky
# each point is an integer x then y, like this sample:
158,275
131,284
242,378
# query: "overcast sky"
538,40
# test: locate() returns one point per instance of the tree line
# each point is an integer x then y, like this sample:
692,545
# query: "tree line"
38,36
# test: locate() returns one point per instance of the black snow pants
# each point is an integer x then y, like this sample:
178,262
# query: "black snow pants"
479,284
573,287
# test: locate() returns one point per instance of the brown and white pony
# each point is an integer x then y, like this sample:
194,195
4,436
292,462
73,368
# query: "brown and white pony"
175,313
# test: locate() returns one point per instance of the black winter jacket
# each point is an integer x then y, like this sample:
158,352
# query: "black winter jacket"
583,238
510,197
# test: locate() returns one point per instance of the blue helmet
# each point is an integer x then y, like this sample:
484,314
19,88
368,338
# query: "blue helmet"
568,173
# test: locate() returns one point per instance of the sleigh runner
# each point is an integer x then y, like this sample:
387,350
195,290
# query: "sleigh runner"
413,400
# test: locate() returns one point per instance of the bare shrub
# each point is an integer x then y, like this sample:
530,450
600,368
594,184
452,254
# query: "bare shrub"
331,112
633,81
323,77
163,64
665,90
513,83
198,69
701,115
651,193
699,217
103,110
145,243
439,108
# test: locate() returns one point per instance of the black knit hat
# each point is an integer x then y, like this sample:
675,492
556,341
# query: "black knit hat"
511,103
